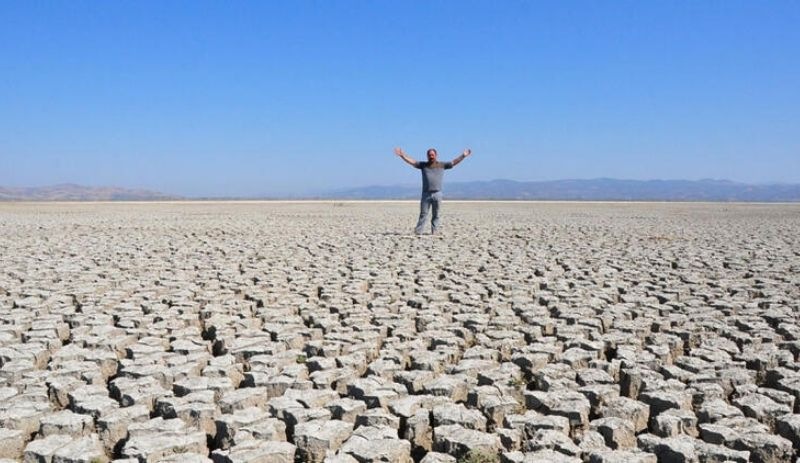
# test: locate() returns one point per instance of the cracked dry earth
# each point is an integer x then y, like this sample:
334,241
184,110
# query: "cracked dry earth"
281,332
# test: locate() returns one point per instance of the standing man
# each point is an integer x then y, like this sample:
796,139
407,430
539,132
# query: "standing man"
432,174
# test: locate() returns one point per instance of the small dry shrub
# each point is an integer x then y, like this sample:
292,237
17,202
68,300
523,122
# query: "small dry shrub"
480,456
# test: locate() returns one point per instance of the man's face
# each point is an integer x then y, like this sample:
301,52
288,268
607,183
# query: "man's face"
431,155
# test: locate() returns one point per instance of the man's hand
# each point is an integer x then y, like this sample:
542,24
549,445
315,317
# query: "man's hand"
402,155
462,156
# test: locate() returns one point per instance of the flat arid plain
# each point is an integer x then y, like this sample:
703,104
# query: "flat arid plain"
281,332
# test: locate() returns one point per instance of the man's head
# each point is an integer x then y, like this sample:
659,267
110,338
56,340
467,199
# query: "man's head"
431,155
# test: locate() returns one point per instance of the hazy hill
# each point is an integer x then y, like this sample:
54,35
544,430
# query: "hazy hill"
71,192
601,189
590,190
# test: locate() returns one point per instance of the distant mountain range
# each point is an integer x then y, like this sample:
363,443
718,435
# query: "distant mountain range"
600,189
71,192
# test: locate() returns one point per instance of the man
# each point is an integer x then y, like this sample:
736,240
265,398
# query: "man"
432,175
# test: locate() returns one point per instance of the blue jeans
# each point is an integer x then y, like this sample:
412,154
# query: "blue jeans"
430,200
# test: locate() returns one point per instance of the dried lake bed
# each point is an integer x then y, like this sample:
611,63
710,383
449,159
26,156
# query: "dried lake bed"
327,331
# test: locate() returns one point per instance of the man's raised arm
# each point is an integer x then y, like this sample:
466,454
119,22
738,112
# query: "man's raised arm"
402,154
461,157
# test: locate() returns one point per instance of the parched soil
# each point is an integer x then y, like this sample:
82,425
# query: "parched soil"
328,331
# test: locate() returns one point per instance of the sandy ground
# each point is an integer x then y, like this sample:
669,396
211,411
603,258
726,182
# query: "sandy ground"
311,331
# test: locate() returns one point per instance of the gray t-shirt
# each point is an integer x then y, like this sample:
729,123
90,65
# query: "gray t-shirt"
432,174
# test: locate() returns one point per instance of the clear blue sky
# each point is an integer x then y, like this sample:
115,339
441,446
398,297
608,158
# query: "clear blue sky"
249,98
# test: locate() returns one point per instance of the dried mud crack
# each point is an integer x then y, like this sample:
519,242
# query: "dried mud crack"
283,332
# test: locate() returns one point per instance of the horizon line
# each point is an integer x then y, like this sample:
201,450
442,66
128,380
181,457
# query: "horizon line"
333,202
342,189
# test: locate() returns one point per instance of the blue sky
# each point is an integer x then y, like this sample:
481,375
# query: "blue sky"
264,98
